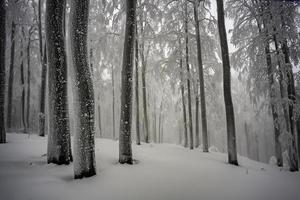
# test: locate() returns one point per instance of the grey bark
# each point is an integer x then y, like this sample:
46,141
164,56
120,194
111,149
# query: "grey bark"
190,124
43,75
201,83
230,121
11,75
22,77
113,103
59,133
28,81
2,69
84,162
125,149
183,103
137,106
247,140
144,92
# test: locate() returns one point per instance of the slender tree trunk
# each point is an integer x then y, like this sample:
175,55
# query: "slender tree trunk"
59,132
292,97
22,77
42,120
84,162
160,126
197,102
113,102
125,150
231,137
137,107
11,76
201,83
99,117
247,140
147,138
2,69
154,120
42,115
190,124
28,83
183,103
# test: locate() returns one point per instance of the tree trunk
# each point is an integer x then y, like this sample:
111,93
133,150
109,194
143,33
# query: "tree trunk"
154,120
125,150
160,126
137,107
11,75
42,115
231,137
84,162
247,140
113,102
292,98
188,79
183,102
2,69
22,77
42,120
201,83
144,90
28,83
59,132
99,117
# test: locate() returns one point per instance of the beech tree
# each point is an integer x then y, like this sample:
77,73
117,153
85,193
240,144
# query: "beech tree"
125,150
59,133
230,121
2,69
84,144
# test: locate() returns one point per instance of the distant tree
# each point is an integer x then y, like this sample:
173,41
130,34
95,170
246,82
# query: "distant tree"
230,121
125,150
2,69
59,132
84,145
11,75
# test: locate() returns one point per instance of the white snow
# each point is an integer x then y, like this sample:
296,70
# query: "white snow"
163,172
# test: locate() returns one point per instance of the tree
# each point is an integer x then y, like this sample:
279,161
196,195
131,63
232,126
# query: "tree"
59,132
188,79
201,83
42,118
11,75
84,161
125,150
230,123
2,69
137,107
22,77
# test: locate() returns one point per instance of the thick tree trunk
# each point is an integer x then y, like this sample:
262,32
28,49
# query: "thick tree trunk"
137,106
59,132
190,124
201,83
41,116
2,69
84,161
11,75
113,103
230,121
183,103
125,149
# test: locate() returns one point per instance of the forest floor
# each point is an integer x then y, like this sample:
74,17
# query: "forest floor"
162,172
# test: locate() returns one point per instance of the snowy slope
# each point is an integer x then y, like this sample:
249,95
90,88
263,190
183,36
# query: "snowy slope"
163,172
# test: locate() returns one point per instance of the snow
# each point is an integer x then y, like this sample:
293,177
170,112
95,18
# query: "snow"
162,172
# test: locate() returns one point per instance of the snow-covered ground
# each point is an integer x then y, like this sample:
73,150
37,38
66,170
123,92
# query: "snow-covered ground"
163,172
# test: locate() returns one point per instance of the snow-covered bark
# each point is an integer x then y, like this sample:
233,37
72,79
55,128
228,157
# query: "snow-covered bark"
125,149
11,75
59,133
190,124
137,106
2,70
230,121
84,144
201,83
